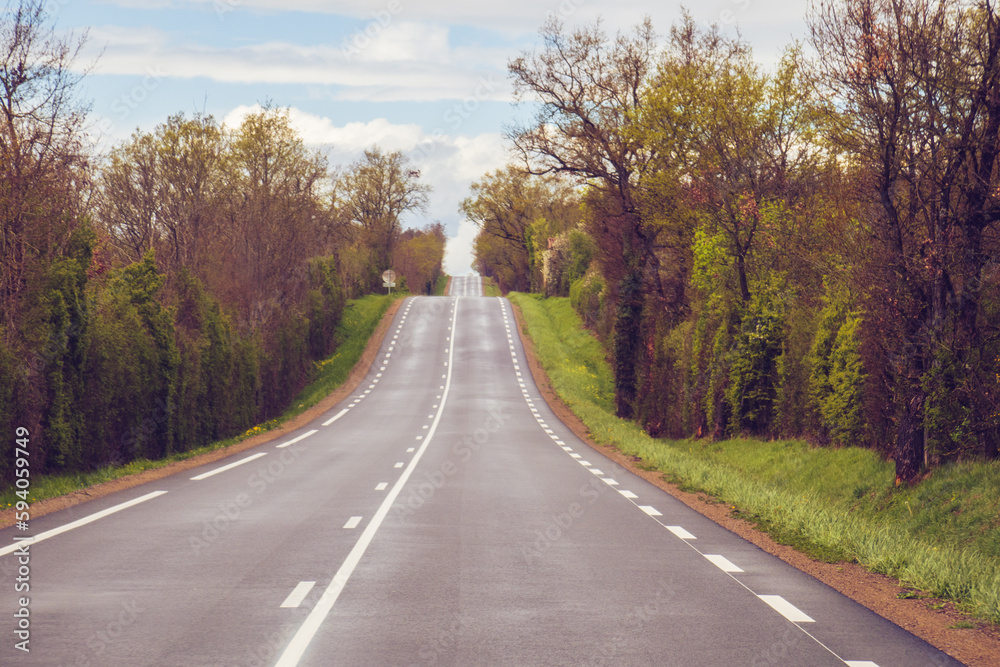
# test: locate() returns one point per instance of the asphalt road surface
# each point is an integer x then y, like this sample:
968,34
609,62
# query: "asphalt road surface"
441,515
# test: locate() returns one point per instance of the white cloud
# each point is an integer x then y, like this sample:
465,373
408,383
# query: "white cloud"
398,42
513,17
403,62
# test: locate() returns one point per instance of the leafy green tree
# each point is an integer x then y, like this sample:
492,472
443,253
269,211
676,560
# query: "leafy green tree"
588,88
917,90
373,194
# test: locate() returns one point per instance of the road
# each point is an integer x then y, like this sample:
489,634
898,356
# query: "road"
441,515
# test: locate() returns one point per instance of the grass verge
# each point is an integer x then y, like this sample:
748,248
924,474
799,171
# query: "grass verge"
941,536
490,287
361,317
440,285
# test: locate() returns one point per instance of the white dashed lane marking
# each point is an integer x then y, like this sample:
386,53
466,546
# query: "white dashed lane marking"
301,437
722,563
230,466
298,594
786,609
681,533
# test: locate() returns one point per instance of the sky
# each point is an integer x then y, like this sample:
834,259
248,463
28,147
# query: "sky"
426,77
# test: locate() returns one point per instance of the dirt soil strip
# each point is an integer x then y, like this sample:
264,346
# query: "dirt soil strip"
357,374
976,647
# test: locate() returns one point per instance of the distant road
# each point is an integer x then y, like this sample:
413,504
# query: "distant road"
470,285
441,515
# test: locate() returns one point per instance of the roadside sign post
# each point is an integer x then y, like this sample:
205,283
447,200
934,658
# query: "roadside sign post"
389,279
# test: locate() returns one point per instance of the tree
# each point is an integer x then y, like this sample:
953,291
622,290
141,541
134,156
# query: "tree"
589,90
128,198
373,194
166,190
418,256
504,205
277,219
918,84
731,140
42,160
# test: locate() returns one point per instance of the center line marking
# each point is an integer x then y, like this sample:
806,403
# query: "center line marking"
298,594
205,475
301,437
297,646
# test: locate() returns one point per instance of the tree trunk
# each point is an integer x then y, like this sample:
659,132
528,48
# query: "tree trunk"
628,319
909,452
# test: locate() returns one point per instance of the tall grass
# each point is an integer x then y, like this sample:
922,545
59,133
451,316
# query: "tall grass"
941,536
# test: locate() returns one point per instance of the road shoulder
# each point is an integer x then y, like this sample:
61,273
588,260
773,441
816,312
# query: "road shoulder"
979,646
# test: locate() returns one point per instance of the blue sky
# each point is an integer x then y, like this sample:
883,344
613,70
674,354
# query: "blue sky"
400,73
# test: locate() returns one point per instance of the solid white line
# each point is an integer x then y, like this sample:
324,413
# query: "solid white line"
786,608
353,522
381,486
301,437
722,563
298,594
297,646
681,533
80,522
205,475
650,510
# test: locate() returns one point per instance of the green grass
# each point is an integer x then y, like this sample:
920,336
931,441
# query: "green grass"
440,285
490,287
361,317
941,537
